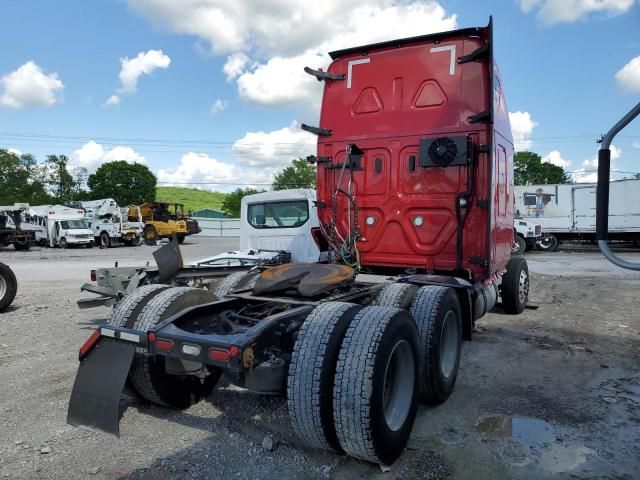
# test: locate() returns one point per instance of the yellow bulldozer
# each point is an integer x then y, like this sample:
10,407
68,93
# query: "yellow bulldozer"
164,219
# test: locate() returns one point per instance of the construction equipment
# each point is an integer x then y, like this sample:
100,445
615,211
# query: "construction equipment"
11,231
414,179
164,219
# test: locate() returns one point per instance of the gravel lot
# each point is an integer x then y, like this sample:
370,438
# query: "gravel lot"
552,393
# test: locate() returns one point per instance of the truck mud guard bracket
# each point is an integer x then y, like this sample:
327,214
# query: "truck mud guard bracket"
322,75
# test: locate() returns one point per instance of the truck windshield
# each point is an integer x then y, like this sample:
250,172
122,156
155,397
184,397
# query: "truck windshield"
69,224
289,214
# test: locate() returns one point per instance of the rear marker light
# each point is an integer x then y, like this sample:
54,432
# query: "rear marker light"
219,355
234,351
107,332
370,221
151,337
89,344
418,221
93,275
166,345
192,350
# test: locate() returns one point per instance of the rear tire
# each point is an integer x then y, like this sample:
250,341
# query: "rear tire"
312,373
126,311
519,246
376,388
235,281
62,243
105,240
148,374
8,286
22,247
181,240
397,295
515,286
549,243
438,316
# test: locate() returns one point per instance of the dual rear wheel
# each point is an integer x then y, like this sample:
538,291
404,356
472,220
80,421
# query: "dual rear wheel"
357,373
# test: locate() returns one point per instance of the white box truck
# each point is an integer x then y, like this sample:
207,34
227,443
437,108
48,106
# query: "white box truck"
59,226
568,212
110,223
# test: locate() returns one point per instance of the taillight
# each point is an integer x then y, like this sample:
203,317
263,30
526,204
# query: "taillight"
318,237
89,344
234,351
93,276
219,355
165,345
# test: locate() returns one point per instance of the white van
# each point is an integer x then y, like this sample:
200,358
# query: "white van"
59,226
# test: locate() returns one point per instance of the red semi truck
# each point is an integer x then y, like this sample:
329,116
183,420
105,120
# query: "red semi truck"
415,179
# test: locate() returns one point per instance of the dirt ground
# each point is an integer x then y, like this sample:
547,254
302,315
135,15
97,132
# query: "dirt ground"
552,393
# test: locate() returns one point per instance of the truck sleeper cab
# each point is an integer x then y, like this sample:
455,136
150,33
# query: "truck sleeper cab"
415,179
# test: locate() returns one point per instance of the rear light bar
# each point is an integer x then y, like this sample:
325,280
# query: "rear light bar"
219,355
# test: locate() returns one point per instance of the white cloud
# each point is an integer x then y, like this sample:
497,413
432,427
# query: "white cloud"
30,86
145,63
278,38
201,168
555,158
568,11
235,65
274,149
587,173
15,151
282,80
629,75
91,155
219,106
522,126
112,100
635,144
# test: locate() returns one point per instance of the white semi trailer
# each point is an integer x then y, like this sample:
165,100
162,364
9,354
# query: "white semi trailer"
568,212
110,225
59,226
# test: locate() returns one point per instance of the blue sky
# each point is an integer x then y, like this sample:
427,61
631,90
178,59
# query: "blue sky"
559,61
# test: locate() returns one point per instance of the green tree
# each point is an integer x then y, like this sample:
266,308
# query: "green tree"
127,183
300,174
232,202
529,169
636,176
61,183
80,176
21,180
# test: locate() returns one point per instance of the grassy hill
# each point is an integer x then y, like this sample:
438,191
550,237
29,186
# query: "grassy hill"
192,198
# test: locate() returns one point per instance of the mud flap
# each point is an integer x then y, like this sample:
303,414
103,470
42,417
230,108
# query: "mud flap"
95,399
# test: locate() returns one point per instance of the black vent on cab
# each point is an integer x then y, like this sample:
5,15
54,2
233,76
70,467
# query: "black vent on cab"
443,152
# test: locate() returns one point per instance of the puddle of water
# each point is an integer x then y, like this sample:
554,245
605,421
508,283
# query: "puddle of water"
537,439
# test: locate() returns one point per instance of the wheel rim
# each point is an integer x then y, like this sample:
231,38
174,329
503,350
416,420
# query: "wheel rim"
399,379
449,344
3,287
523,286
63,243
150,235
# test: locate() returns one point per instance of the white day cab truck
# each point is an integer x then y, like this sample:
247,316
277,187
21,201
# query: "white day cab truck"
59,226
110,223
527,235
